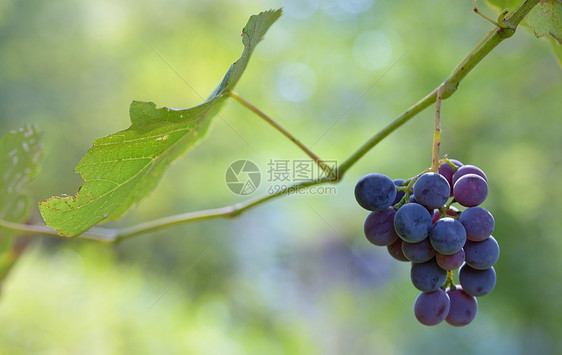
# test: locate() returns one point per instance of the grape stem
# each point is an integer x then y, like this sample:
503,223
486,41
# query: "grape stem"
446,160
448,206
414,179
407,189
449,282
437,131
447,88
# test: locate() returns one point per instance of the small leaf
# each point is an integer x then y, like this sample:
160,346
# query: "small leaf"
546,19
121,169
20,156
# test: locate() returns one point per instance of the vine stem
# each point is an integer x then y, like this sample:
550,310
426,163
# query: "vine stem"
437,131
448,87
113,236
278,127
227,212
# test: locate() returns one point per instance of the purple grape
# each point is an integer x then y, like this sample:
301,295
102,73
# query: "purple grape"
477,282
427,276
395,250
418,252
478,223
412,222
375,192
379,227
452,211
482,255
470,190
431,308
463,307
436,215
447,171
450,262
447,236
468,169
412,198
399,194
432,190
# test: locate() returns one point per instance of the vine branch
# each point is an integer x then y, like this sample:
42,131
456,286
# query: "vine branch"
447,88
450,84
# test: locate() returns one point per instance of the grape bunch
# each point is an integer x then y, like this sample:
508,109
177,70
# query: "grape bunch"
418,222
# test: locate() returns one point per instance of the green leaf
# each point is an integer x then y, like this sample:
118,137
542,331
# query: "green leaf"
546,19
20,156
121,169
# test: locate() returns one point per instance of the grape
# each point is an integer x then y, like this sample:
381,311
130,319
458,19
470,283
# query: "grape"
478,223
427,276
463,307
447,171
477,282
452,211
431,308
470,190
395,250
468,169
447,236
436,215
450,262
432,190
412,198
412,222
379,227
375,192
482,255
418,252
399,194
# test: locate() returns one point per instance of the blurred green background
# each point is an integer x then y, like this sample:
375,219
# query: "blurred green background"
296,275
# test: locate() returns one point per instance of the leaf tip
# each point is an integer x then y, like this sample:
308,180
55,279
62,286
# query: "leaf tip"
258,25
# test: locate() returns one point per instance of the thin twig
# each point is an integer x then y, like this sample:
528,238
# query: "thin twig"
477,11
278,127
